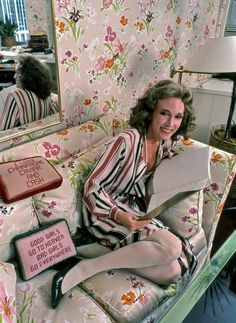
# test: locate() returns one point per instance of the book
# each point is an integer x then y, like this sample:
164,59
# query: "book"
176,178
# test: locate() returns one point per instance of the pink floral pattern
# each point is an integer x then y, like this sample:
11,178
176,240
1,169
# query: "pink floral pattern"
70,61
134,294
120,47
130,44
191,218
7,308
51,149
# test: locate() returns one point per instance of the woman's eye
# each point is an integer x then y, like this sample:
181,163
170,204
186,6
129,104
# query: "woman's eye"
179,117
164,113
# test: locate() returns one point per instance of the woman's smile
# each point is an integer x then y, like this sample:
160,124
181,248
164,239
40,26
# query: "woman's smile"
166,119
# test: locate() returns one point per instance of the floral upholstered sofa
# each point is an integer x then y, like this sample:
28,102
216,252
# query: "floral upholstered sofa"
115,295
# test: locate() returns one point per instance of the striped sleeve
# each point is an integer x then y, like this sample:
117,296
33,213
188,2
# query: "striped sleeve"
10,114
99,189
23,106
96,196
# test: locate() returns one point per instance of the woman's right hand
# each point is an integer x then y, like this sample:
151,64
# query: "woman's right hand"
131,221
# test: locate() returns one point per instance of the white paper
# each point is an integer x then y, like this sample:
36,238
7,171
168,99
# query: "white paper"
187,171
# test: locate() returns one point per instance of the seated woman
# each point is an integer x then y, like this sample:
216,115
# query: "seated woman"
115,195
31,100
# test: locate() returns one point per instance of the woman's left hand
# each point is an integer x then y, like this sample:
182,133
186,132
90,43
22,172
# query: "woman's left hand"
131,221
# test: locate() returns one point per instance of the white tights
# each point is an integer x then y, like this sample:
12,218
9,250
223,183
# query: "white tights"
154,258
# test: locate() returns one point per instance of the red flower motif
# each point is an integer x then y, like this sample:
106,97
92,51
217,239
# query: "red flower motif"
193,210
123,20
111,35
106,4
51,150
169,31
129,298
100,64
6,304
214,186
68,53
119,47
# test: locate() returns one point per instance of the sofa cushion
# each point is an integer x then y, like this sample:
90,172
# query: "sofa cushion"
125,296
222,174
198,242
33,175
185,218
65,201
42,248
15,218
7,293
33,300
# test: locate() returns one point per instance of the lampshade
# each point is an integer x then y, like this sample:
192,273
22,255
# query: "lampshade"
217,55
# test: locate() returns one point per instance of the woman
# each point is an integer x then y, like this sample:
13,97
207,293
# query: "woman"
115,196
31,100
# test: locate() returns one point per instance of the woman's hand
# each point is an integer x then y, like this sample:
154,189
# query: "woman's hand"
131,221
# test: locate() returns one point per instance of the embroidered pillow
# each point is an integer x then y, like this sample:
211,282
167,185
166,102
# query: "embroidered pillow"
41,248
185,218
22,178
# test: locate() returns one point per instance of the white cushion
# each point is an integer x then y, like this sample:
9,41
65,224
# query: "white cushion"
185,218
15,218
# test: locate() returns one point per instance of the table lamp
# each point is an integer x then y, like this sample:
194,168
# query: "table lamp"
217,56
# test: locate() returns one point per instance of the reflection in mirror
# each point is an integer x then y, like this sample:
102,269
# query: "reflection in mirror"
35,36
230,27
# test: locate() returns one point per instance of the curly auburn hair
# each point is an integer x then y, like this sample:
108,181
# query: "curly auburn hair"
34,75
142,112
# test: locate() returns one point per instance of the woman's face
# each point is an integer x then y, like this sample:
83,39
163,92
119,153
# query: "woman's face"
166,119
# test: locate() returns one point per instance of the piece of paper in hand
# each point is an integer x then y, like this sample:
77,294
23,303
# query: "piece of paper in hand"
187,171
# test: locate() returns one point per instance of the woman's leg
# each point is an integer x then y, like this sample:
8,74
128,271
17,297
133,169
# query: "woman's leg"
162,275
161,249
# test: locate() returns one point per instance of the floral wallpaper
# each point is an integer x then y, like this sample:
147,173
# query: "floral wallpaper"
110,51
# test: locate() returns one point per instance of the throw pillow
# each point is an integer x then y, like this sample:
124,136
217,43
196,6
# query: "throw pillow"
185,218
22,178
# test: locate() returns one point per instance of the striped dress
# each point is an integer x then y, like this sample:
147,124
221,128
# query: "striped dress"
23,106
118,182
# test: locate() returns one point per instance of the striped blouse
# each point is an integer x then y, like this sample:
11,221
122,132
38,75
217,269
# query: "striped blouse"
23,106
117,182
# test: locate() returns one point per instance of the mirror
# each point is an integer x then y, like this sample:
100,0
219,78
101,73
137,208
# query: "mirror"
38,24
230,25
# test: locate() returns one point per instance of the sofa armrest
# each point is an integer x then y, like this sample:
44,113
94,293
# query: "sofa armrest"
223,169
7,292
